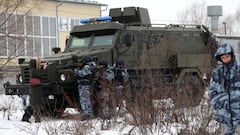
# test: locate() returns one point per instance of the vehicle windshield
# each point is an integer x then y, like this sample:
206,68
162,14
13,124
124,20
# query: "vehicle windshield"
103,40
91,39
77,42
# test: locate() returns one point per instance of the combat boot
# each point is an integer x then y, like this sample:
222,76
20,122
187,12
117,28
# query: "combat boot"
27,114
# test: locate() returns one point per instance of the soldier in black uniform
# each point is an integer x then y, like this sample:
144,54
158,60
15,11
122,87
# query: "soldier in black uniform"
36,96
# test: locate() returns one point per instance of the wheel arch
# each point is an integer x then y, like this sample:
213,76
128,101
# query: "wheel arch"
189,70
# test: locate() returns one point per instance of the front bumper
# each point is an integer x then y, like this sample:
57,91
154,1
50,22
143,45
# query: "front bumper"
23,89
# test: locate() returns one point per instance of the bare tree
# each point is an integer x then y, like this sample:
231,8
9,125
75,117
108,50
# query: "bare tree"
12,14
183,17
195,14
228,25
237,14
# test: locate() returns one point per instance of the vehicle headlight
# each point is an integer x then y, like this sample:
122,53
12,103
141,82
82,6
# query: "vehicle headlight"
51,97
62,77
20,78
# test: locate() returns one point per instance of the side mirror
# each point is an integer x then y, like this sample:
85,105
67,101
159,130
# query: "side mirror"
21,60
56,50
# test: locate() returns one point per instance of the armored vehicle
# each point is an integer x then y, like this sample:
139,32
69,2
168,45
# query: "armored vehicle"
174,61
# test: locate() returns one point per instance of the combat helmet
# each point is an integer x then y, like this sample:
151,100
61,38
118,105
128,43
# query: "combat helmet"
120,63
104,63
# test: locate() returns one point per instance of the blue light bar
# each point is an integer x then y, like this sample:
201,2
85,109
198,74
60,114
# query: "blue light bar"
83,21
99,19
104,18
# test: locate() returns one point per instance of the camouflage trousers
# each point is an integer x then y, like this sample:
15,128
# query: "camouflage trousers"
25,102
119,99
84,99
107,103
119,95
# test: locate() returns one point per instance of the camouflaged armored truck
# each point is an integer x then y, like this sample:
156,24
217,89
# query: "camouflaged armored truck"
175,61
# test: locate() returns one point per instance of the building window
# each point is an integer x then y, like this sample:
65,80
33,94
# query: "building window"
3,48
63,25
46,26
37,45
11,24
27,35
30,35
30,48
53,43
3,25
11,42
53,27
36,26
29,25
76,22
66,24
44,29
20,46
20,24
46,47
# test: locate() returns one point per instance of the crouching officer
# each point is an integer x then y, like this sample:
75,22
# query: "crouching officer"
85,77
36,95
105,90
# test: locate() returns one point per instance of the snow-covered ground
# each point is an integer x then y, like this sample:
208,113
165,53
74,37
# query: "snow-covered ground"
11,113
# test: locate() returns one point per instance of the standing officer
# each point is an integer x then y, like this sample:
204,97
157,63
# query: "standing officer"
224,90
106,90
36,96
85,77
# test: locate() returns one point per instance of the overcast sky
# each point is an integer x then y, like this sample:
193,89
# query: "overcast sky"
164,11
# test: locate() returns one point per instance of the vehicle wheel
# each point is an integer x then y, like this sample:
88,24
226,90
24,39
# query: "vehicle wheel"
190,91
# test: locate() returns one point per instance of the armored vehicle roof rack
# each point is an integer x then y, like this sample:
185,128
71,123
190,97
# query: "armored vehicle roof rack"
136,16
